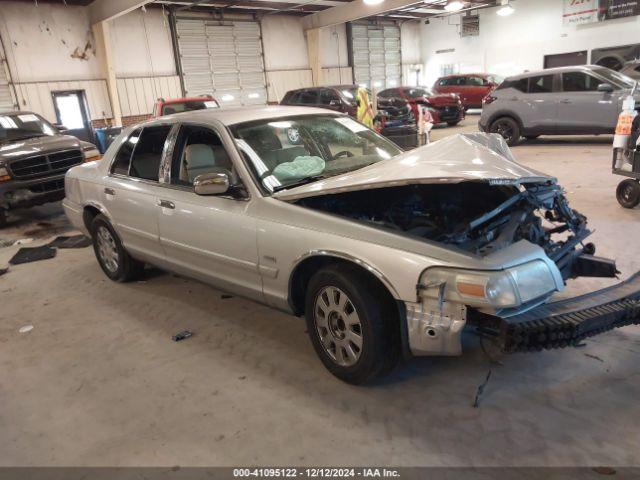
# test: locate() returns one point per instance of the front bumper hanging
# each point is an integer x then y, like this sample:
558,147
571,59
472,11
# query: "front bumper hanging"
566,322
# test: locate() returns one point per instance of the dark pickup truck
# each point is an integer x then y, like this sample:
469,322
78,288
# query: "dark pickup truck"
34,157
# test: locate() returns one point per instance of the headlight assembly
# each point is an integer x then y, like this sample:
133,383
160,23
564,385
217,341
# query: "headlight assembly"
498,289
4,174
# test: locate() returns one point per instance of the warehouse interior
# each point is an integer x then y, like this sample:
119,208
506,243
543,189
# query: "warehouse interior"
91,374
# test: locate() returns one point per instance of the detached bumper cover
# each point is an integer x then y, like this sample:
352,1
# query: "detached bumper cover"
567,322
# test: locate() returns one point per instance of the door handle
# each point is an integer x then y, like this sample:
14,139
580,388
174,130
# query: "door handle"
166,204
565,101
109,191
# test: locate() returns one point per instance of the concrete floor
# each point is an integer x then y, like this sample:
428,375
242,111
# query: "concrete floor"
98,380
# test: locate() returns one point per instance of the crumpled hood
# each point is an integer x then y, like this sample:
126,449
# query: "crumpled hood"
36,145
458,158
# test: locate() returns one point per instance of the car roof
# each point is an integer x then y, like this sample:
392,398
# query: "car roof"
233,116
187,99
456,75
551,71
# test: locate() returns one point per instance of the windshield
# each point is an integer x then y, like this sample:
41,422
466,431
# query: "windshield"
287,152
617,78
418,93
189,105
23,126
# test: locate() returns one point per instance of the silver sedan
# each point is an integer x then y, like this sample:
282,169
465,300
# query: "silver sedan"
387,254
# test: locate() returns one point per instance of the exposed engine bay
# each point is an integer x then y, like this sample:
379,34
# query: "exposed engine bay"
477,217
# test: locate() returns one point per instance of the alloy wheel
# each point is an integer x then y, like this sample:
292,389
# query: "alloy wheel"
338,326
107,249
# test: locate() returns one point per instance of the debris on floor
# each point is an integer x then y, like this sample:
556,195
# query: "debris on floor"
476,402
595,357
225,296
182,335
75,241
26,329
32,254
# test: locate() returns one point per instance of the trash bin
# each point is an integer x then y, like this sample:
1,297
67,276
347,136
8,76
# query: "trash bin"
106,135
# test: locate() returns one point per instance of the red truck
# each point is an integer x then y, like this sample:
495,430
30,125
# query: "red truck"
187,104
470,87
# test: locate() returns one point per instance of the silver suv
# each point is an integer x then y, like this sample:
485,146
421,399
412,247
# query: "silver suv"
578,100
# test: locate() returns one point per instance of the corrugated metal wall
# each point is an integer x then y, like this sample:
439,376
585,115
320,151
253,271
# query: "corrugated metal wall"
138,94
223,59
376,55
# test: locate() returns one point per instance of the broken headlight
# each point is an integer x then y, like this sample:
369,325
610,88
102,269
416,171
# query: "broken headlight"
498,289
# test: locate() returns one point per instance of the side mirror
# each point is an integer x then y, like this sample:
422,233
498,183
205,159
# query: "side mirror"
60,127
211,183
335,103
605,88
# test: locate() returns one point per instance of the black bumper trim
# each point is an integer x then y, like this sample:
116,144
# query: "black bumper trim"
567,322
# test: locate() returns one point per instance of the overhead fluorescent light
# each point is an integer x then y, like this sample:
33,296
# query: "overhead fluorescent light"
372,2
506,9
454,6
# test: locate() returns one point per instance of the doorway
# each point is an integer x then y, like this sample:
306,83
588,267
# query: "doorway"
565,59
72,113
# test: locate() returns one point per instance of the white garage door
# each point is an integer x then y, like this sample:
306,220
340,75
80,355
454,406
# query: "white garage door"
376,55
223,60
6,99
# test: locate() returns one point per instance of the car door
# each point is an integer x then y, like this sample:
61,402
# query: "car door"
212,238
131,191
538,107
582,109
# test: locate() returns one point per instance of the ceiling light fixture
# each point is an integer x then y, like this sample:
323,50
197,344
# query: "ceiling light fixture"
372,2
454,6
506,9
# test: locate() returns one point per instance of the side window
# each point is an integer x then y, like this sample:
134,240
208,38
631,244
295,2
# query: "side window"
123,157
386,93
199,150
327,96
444,82
307,97
541,84
579,82
147,154
476,81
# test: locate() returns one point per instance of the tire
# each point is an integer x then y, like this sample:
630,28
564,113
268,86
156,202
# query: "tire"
453,124
352,323
628,193
531,137
114,260
508,128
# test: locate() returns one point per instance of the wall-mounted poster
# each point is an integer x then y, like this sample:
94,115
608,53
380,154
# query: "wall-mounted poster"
611,9
579,12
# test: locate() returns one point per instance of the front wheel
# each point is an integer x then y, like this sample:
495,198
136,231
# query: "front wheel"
628,193
508,128
114,260
352,324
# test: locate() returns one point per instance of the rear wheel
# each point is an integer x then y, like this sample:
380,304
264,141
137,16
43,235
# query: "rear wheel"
628,193
508,128
352,324
114,260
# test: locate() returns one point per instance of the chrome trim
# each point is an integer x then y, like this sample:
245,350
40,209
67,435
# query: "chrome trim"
345,256
211,184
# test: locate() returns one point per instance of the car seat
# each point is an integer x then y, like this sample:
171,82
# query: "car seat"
200,158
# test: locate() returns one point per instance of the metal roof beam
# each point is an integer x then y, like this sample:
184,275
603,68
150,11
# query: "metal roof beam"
352,11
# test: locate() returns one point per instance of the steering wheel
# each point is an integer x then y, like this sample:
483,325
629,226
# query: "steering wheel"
344,153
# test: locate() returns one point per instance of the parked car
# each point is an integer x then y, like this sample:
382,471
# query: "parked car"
386,254
470,87
187,104
340,98
632,70
445,108
34,157
395,118
577,100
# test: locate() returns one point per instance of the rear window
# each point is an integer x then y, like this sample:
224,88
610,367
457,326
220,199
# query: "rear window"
147,154
123,157
306,97
519,84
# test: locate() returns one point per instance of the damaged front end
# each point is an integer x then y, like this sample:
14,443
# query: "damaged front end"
524,242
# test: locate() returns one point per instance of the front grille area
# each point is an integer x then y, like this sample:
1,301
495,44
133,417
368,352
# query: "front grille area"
45,187
45,165
449,113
